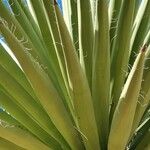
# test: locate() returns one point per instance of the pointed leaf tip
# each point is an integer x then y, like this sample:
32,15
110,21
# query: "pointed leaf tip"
55,2
144,48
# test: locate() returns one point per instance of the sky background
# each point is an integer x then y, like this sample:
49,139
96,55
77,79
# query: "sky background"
60,4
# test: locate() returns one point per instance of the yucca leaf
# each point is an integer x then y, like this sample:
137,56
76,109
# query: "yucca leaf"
16,29
114,11
65,76
18,112
28,28
10,66
74,20
44,90
36,49
30,106
93,9
67,12
137,5
143,102
71,18
21,138
142,26
144,145
138,18
147,39
101,72
31,11
54,47
24,6
125,110
5,145
120,50
46,33
144,140
81,92
144,97
86,37
140,132
8,118
67,93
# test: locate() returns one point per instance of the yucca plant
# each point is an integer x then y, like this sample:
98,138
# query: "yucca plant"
77,78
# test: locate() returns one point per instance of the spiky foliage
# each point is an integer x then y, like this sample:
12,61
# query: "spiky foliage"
79,80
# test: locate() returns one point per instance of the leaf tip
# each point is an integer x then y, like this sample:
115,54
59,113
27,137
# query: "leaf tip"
55,2
144,48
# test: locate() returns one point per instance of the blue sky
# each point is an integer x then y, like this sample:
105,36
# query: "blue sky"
60,4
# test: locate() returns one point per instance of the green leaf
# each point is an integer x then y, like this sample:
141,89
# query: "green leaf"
126,108
31,107
67,92
144,97
67,12
46,33
26,120
26,25
101,72
86,37
43,89
82,96
120,50
142,27
26,11
21,138
31,44
12,68
5,145
16,29
140,132
144,145
114,11
8,118
71,19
